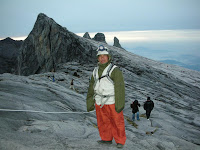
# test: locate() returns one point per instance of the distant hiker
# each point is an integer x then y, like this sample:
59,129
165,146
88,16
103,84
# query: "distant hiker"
107,92
53,77
148,106
72,84
135,109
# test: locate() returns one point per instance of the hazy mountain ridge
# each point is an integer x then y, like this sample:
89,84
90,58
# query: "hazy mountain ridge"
183,60
175,91
189,66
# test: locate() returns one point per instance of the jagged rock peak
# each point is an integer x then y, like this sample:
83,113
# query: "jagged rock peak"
87,35
100,37
50,44
43,16
8,39
116,42
44,20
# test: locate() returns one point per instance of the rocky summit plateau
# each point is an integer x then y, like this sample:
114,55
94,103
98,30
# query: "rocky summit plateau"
37,113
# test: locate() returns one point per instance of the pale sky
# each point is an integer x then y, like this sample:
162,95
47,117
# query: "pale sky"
17,17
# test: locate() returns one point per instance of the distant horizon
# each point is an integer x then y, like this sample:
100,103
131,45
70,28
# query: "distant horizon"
124,36
181,45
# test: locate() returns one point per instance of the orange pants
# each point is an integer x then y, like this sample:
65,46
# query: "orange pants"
110,124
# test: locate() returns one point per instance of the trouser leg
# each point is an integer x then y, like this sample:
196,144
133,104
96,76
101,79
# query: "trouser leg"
111,124
138,118
148,114
104,124
133,117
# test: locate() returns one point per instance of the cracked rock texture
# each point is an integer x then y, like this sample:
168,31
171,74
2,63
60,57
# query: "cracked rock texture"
173,125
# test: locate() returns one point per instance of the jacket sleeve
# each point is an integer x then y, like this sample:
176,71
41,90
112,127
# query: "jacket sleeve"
119,87
90,100
152,105
145,106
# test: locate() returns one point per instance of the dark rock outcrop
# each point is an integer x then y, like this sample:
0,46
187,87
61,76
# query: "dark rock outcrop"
49,44
174,90
87,35
116,42
9,50
99,37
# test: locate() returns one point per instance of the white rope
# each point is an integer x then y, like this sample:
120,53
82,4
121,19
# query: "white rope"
44,112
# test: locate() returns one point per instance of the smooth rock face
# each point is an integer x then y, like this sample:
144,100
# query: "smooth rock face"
173,125
100,37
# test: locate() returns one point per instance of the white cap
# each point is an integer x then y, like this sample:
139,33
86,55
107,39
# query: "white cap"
102,53
102,50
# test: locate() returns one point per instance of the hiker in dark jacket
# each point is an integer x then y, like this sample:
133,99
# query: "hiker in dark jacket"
72,84
135,109
148,106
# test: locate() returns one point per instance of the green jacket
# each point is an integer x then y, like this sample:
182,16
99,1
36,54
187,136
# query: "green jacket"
119,87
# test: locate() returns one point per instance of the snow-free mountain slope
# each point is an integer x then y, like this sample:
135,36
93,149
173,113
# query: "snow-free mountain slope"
174,122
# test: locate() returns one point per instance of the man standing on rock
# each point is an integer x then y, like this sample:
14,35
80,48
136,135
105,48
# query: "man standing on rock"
148,106
107,92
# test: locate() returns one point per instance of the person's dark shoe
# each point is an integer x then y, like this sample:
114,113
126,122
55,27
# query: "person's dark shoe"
104,142
119,145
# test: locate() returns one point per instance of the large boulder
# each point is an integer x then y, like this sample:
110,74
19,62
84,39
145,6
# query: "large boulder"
100,37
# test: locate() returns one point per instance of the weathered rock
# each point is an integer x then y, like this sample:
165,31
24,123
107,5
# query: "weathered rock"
49,44
9,50
100,37
87,35
174,121
116,42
